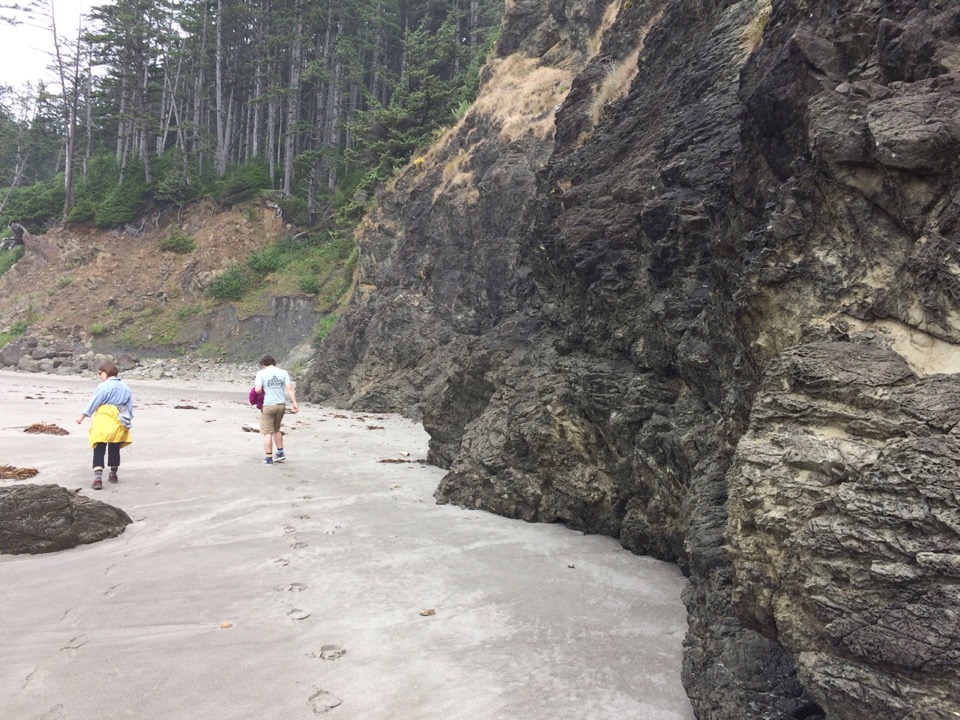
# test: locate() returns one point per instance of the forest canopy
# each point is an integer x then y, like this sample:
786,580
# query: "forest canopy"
157,102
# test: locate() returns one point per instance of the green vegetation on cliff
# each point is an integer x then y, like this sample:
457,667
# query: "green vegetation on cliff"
320,103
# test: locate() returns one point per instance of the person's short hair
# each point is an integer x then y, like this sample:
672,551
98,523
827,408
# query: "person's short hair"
267,361
109,368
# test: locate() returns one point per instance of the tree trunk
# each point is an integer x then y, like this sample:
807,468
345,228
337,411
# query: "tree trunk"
293,104
23,153
472,22
144,113
221,153
69,77
272,143
332,126
88,152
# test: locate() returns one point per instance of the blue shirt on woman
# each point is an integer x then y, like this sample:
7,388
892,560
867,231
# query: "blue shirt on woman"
112,391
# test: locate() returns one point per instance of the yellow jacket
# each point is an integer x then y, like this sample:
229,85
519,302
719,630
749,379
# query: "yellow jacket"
105,427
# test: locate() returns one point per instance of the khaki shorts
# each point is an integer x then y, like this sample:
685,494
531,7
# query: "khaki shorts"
270,418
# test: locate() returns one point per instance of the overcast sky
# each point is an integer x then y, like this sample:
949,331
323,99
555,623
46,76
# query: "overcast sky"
24,50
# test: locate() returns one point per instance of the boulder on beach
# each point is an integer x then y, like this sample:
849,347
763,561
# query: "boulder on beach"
47,518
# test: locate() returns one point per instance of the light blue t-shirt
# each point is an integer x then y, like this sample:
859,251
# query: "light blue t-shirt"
112,391
273,380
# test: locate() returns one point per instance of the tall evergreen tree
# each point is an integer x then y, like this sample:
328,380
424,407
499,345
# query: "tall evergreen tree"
15,147
129,43
318,92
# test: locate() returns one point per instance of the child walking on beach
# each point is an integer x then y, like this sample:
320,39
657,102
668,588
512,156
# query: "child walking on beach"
275,385
111,410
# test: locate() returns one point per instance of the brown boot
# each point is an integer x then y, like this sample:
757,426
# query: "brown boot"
112,477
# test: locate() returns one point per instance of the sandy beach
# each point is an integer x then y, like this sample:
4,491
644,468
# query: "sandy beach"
331,584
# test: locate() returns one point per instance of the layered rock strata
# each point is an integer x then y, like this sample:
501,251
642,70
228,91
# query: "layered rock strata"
610,289
844,528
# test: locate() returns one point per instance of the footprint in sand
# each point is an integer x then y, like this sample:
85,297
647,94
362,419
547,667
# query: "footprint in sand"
55,713
323,701
111,591
75,644
37,675
331,652
292,587
336,528
281,562
299,545
298,614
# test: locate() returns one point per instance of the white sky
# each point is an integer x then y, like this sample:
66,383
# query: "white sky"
24,50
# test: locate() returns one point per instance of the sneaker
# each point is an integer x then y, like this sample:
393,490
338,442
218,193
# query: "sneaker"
112,477
279,457
268,461
97,484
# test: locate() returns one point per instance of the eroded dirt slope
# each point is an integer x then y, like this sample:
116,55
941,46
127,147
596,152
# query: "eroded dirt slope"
118,288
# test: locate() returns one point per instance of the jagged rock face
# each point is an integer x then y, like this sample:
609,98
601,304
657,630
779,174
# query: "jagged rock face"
47,518
583,316
844,528
439,263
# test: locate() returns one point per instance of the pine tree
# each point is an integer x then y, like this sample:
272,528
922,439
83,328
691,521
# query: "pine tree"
130,43
322,96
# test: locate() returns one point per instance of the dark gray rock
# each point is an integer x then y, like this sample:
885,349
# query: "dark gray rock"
127,361
584,325
844,529
11,353
47,518
28,364
43,352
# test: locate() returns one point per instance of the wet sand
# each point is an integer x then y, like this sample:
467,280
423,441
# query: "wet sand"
331,584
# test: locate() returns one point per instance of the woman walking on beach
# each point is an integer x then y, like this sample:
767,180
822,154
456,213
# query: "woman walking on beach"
111,410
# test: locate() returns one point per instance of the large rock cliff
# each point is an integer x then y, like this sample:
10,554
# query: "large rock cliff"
687,274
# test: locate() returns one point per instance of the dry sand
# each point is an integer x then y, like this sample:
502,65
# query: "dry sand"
330,584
